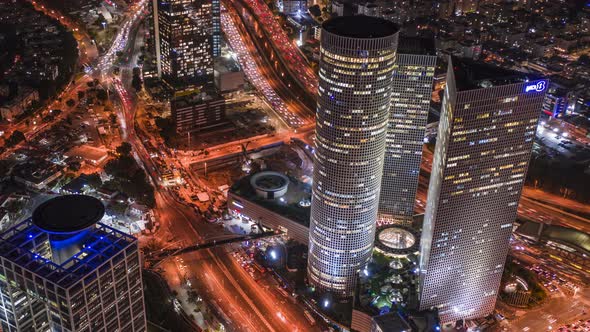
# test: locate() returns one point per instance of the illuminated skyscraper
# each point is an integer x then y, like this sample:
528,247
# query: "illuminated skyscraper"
410,102
356,66
184,40
485,136
61,270
216,20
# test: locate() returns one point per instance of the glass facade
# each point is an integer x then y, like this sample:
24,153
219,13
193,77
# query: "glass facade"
351,124
184,39
410,103
483,148
97,289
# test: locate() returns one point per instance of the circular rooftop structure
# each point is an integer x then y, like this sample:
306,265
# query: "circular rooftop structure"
68,214
269,184
360,26
396,240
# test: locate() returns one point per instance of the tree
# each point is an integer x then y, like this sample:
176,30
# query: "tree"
14,208
584,59
74,166
166,128
101,94
94,180
15,138
70,102
124,149
118,208
100,20
35,104
136,82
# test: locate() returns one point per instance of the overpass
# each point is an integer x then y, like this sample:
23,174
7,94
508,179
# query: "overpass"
157,257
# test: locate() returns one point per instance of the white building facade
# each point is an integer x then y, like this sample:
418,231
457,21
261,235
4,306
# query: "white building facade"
410,103
485,137
356,69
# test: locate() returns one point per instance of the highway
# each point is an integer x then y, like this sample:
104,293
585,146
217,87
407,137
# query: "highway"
214,273
287,49
245,304
260,73
534,204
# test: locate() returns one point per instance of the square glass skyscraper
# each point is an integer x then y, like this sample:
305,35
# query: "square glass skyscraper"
485,137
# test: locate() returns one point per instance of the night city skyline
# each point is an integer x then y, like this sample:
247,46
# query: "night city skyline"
291,165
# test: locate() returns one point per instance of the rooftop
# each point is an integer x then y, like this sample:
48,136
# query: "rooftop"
392,322
416,45
76,185
396,240
68,214
360,26
88,152
27,246
287,205
471,75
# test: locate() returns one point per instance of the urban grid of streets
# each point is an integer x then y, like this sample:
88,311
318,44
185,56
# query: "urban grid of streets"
244,304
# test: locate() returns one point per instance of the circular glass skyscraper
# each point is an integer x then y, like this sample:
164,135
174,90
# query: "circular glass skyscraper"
356,70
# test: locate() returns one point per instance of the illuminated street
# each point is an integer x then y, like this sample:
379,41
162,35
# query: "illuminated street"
176,165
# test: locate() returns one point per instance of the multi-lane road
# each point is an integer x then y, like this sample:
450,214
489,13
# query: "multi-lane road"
243,303
261,73
534,204
214,273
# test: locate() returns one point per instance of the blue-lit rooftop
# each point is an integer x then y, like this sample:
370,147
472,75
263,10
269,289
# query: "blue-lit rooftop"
29,247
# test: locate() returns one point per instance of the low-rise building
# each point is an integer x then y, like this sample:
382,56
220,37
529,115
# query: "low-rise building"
228,74
37,174
89,154
197,112
273,200
17,105
292,7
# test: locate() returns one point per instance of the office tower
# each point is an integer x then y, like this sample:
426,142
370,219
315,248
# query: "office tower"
184,38
410,102
62,270
216,20
485,136
197,112
356,66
